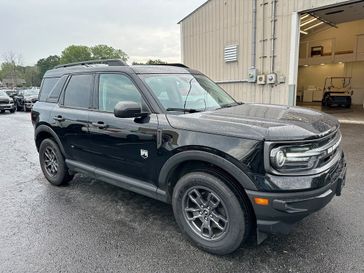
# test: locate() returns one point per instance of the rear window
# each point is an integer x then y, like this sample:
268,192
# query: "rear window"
47,86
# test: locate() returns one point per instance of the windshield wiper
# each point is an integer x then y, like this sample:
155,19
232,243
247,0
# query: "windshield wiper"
230,105
184,110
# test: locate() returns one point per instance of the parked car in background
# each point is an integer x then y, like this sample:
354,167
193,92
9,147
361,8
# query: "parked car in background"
26,98
11,92
6,102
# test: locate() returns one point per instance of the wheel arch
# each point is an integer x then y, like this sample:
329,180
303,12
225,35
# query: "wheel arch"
185,161
44,131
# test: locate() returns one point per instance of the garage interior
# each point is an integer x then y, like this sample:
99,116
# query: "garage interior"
332,45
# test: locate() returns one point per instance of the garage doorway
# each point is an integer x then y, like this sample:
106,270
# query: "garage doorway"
331,61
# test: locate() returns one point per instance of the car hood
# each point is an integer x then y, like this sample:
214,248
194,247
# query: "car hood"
4,98
259,121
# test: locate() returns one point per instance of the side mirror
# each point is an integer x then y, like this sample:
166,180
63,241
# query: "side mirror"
128,109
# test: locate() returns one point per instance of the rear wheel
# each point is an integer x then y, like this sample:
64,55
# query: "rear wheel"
348,102
210,214
52,163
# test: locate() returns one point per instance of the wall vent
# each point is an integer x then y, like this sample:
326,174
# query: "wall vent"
231,53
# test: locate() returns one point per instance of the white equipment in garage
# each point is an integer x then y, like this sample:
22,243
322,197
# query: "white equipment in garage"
312,93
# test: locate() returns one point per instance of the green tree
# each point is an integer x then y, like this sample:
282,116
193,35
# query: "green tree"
107,52
45,64
75,53
151,62
12,71
32,76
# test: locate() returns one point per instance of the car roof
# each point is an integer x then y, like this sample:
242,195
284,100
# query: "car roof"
137,69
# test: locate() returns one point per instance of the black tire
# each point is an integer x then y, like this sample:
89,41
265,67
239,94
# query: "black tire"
12,110
2,111
61,175
234,214
348,103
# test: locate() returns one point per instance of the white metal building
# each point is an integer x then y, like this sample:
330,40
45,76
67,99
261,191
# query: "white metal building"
264,50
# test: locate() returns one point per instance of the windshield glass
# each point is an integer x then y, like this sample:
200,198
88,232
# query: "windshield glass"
185,91
3,94
31,92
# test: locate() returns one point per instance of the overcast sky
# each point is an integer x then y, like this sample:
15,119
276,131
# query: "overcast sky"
142,28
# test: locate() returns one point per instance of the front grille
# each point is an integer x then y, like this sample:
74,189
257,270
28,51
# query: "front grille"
328,148
4,101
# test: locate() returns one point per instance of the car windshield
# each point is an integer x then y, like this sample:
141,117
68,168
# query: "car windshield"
31,92
3,93
187,93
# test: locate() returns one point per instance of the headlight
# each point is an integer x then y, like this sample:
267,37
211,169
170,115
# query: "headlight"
290,158
294,158
11,101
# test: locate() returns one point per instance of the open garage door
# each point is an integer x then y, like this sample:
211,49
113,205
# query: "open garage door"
331,61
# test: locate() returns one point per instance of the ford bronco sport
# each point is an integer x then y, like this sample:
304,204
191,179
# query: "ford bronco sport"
170,133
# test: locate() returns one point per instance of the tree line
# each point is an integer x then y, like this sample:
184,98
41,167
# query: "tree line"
32,75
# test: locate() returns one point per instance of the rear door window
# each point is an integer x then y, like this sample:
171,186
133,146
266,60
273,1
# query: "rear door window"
78,91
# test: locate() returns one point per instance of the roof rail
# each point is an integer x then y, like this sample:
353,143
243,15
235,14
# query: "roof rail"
109,62
174,64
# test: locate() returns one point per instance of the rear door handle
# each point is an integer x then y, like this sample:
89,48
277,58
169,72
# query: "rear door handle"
59,118
99,124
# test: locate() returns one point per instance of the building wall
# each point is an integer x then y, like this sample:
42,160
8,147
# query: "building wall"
219,23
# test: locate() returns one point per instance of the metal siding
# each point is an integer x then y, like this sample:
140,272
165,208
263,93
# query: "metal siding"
219,23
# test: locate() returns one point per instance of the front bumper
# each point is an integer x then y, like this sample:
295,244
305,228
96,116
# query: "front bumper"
286,208
29,105
7,106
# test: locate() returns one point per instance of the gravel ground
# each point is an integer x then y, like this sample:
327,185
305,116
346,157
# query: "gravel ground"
90,226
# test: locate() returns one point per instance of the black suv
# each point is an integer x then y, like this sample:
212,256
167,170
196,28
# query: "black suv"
26,98
170,133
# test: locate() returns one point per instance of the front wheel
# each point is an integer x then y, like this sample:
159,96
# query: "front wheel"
210,214
52,163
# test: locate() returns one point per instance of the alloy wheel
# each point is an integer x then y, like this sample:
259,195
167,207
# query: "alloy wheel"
205,213
50,161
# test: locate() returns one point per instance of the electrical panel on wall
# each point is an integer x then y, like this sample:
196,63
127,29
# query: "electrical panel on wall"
261,79
272,78
252,74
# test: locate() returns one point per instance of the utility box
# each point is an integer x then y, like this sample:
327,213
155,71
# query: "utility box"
261,79
252,74
272,78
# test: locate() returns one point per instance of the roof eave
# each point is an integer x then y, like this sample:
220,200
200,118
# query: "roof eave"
192,12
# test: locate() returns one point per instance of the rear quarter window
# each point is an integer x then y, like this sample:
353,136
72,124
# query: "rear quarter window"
47,85
57,89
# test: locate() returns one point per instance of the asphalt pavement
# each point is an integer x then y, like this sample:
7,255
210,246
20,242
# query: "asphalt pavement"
90,226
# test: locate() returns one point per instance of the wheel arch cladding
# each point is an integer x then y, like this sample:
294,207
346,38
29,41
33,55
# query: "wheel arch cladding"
200,157
42,132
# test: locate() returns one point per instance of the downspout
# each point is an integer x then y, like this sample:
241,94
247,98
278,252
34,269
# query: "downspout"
273,37
254,34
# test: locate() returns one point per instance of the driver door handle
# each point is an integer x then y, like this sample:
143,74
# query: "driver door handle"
99,124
